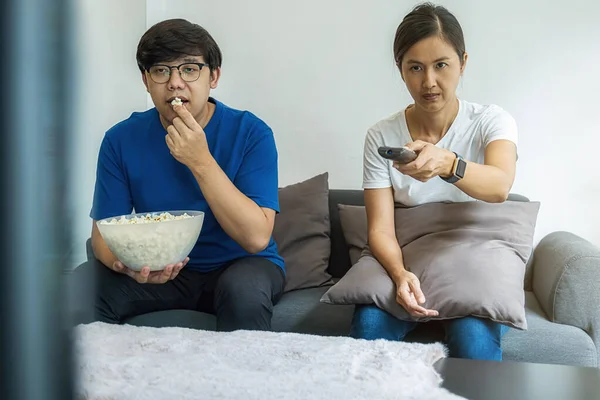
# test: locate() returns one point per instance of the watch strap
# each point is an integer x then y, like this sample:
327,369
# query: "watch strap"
458,170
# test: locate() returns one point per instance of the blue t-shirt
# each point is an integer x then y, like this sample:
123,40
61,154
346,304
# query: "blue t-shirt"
137,172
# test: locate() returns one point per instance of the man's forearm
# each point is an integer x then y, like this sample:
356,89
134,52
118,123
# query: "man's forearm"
485,182
387,251
240,217
105,257
100,249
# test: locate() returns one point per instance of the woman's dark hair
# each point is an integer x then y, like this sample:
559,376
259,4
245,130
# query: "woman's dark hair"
426,20
171,39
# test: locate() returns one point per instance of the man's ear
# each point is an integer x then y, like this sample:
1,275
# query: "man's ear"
215,75
145,80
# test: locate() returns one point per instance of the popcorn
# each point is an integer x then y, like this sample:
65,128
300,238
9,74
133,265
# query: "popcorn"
146,219
176,102
158,239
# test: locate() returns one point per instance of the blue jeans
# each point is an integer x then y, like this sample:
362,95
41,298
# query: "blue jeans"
467,337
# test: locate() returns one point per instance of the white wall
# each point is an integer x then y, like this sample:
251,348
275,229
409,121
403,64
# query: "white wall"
108,88
321,72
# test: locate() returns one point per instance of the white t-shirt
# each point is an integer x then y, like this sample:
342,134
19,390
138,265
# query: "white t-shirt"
474,127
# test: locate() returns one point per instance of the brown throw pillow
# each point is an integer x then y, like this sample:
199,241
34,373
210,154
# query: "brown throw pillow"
470,258
302,232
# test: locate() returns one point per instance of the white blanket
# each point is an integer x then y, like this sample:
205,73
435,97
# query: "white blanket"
127,362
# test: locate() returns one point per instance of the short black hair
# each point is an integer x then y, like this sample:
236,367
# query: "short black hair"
173,38
426,20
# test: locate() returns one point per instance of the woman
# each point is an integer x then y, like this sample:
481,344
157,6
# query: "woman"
466,152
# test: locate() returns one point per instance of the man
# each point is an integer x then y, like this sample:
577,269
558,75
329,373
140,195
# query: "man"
200,155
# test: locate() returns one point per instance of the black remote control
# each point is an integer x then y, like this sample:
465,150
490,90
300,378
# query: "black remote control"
398,154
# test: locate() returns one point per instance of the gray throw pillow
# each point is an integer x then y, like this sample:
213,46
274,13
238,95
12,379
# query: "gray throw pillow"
470,258
302,232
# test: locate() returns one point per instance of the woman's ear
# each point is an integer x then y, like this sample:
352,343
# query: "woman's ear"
399,65
464,63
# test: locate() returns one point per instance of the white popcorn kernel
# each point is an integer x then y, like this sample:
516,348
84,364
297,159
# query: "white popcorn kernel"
176,102
145,219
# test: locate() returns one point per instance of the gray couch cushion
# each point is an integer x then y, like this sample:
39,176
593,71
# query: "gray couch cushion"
339,262
547,342
469,257
302,232
301,311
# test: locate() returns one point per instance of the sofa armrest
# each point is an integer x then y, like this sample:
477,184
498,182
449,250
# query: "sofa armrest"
566,275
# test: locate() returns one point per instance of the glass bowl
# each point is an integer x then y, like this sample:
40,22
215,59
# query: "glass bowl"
154,244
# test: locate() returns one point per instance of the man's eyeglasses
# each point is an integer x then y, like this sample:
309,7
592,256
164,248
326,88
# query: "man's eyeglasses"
189,72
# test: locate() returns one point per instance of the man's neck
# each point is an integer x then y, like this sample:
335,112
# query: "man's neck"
431,127
207,112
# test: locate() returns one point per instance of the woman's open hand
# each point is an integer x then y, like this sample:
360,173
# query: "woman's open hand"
410,296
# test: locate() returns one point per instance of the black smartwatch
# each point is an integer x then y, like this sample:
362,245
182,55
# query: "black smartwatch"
458,170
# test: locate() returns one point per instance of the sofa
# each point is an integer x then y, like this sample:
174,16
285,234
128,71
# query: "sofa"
562,300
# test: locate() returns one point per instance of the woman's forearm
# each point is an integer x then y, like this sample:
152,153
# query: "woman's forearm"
485,182
492,181
387,251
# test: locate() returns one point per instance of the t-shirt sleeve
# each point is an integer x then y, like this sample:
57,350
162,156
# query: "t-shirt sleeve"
112,196
376,172
499,124
258,177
